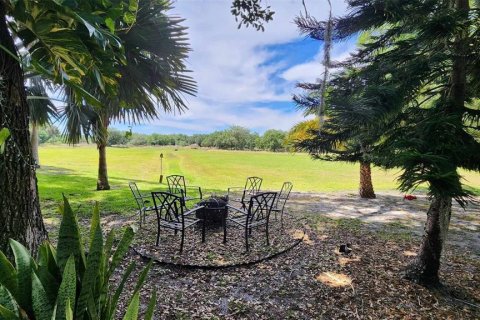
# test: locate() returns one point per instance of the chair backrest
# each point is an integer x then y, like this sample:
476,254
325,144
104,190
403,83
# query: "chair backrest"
176,185
283,195
136,194
169,207
252,185
260,206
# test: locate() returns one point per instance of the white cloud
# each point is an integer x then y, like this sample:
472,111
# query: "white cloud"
311,70
234,70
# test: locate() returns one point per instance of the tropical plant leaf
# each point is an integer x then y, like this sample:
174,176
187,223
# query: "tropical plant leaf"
119,290
132,310
122,249
95,222
7,300
92,308
69,240
41,304
68,312
6,314
25,266
47,256
8,274
92,271
49,282
68,289
143,276
109,244
151,306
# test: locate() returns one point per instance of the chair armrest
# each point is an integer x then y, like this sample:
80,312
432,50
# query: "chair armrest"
236,209
191,211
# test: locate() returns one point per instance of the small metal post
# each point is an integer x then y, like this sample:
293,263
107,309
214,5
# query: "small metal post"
161,168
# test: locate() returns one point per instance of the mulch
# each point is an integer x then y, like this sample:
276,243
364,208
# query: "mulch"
214,253
313,281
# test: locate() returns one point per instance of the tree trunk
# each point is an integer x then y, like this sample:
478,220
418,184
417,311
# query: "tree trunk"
20,214
34,143
424,269
366,185
102,181
102,137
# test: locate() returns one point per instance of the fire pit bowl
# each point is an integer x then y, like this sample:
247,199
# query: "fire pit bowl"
214,210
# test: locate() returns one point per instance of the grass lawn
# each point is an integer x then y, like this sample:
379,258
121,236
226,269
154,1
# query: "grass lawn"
73,171
313,280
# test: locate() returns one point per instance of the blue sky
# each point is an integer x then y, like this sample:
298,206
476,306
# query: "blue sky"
245,77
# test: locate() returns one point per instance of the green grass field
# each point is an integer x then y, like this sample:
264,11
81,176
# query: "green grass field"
73,171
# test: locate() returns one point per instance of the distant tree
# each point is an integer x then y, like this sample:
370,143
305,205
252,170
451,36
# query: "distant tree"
42,111
273,140
116,137
301,131
419,73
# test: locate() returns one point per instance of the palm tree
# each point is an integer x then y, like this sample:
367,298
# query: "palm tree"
42,110
66,42
154,75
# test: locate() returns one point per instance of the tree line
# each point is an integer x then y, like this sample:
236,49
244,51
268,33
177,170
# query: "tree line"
233,138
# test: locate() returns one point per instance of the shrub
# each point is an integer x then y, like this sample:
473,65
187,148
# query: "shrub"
67,283
116,137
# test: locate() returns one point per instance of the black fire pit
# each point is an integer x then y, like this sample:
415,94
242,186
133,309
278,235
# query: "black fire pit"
213,214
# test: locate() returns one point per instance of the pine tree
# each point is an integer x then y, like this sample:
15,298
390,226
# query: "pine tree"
416,82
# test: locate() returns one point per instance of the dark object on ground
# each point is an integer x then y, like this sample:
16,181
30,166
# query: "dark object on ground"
345,248
409,197
258,214
213,214
214,208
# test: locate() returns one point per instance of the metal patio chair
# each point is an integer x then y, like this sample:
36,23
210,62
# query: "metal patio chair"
282,199
242,194
171,215
143,202
177,186
257,214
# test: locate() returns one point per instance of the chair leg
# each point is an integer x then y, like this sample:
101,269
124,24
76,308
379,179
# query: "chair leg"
158,233
246,238
181,242
266,229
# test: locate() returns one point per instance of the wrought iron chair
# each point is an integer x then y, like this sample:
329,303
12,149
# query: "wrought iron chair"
142,201
282,199
258,214
251,188
177,186
171,215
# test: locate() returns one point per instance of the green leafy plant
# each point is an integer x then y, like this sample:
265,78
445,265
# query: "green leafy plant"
66,283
